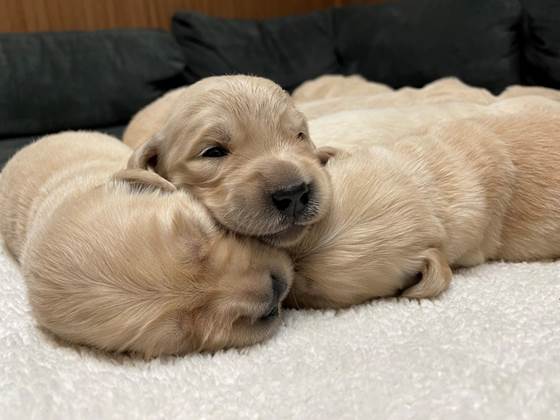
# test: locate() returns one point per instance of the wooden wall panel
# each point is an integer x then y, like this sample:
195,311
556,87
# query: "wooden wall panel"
49,15
60,15
347,2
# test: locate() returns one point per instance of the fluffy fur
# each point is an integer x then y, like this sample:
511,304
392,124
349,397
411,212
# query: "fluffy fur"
332,94
442,91
122,261
453,194
261,147
337,86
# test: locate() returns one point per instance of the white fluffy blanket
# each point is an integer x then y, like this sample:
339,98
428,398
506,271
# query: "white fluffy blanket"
489,348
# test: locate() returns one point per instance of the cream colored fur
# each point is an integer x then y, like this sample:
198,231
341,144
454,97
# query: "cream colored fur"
413,204
150,119
336,86
352,121
265,145
451,194
378,125
122,261
517,90
442,91
331,94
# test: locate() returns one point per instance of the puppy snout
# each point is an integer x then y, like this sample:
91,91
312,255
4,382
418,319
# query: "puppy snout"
279,287
292,201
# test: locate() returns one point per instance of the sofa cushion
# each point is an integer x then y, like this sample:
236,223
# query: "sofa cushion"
57,81
288,50
413,42
541,39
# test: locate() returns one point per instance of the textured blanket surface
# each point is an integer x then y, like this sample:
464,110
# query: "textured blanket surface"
489,348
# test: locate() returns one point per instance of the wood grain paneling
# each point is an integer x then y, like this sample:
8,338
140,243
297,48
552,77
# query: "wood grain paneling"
49,15
63,15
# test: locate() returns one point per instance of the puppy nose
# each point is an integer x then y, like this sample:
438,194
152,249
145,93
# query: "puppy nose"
293,200
279,287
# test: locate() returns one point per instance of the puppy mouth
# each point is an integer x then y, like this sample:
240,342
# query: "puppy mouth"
270,315
285,236
267,320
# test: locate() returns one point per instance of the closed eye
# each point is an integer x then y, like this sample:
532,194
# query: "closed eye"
215,152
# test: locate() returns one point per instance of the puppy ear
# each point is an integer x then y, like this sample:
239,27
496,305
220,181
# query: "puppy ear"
435,276
327,152
147,154
141,179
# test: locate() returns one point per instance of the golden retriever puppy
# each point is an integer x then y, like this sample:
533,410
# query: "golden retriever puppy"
518,90
336,86
442,91
150,119
456,194
122,261
366,127
239,145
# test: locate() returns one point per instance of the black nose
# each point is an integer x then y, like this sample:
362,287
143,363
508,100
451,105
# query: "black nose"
279,287
292,201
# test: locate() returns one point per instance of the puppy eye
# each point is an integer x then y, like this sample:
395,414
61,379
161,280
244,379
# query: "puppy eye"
215,152
301,135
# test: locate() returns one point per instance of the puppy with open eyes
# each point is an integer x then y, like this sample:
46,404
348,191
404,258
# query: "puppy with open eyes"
122,261
239,145
455,194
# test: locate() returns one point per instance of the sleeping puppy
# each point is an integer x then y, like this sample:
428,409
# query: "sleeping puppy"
515,91
369,126
439,92
241,147
455,195
333,86
122,261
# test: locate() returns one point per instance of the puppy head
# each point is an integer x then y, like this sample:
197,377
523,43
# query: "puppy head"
239,298
219,291
380,238
240,146
162,279
327,279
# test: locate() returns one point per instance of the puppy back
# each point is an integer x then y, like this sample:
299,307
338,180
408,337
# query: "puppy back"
53,165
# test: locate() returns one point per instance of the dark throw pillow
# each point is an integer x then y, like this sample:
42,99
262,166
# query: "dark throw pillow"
288,50
541,38
57,81
413,42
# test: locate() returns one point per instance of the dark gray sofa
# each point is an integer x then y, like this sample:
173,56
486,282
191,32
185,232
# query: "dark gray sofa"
97,80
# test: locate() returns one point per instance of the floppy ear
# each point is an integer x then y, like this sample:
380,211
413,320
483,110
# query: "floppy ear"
147,154
436,276
327,152
141,179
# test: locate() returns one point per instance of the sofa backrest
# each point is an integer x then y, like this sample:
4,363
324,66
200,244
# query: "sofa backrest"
540,49
58,81
487,43
288,50
413,42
